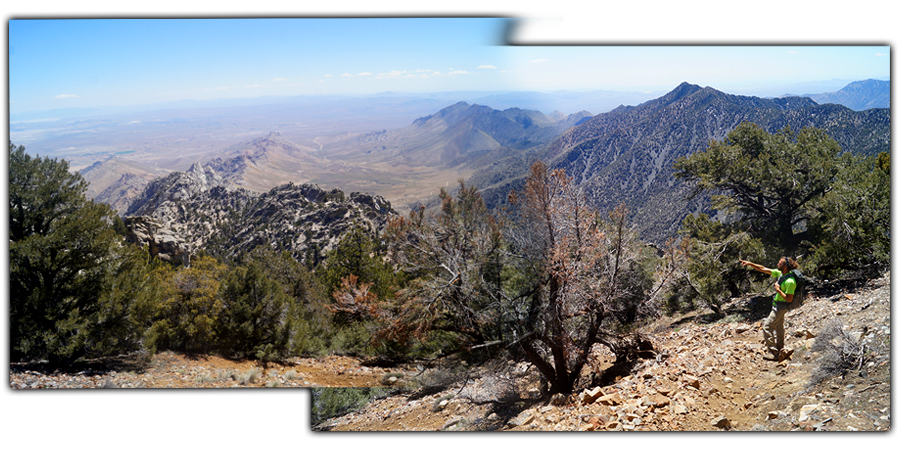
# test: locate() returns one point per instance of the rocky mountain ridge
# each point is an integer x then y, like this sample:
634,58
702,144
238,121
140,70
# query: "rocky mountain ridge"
626,155
187,212
264,162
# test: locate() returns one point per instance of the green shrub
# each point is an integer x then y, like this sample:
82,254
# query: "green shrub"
258,319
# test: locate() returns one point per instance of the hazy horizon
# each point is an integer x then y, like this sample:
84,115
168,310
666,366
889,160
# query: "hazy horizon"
100,63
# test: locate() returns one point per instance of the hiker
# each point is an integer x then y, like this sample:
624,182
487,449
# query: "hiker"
773,325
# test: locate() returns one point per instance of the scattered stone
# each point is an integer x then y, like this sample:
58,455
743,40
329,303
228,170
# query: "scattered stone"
451,422
590,396
523,419
806,411
721,422
692,381
612,399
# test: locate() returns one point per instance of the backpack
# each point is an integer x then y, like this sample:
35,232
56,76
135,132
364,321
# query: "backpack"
800,291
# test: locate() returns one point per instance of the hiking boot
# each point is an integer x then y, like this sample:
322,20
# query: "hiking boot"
785,354
770,357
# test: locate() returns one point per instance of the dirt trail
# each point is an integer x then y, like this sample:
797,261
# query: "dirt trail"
172,370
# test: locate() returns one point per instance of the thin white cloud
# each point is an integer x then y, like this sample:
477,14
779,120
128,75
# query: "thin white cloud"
486,67
253,86
279,79
346,75
63,97
879,54
394,74
459,72
365,74
327,74
220,88
538,61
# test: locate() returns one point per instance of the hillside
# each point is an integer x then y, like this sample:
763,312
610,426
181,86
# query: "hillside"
626,155
705,377
117,182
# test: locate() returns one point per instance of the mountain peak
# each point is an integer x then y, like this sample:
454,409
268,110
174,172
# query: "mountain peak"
684,89
197,168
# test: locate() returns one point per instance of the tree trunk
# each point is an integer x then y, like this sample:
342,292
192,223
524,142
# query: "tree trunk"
627,349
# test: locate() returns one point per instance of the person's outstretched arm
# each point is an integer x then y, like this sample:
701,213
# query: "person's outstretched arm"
757,267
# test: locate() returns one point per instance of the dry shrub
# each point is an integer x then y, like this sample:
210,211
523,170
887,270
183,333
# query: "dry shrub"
841,353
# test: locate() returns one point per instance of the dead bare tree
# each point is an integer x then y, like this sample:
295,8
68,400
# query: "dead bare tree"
585,272
547,279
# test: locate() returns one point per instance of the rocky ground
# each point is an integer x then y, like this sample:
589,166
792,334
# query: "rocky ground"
708,376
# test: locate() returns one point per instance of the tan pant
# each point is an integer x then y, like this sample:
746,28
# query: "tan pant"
773,329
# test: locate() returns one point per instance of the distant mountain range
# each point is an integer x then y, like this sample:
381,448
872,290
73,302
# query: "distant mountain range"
460,134
858,96
442,147
626,155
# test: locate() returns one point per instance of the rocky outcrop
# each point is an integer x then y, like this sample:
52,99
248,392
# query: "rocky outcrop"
197,211
306,220
178,186
161,241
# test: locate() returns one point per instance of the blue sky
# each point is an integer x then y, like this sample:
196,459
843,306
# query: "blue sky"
106,62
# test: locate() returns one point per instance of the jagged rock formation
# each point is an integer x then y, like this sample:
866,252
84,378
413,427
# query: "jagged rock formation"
203,212
162,242
161,197
626,155
304,220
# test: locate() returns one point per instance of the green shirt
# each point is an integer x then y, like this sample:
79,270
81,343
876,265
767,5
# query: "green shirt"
788,286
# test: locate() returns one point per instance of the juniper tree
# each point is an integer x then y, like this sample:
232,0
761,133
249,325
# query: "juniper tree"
75,289
768,180
797,194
